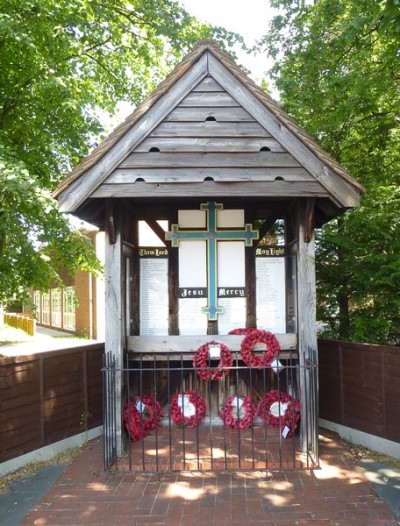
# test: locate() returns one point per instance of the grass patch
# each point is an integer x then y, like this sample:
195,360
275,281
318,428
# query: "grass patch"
360,452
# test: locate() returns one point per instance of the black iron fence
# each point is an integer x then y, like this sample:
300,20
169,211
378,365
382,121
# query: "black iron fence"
109,411
180,417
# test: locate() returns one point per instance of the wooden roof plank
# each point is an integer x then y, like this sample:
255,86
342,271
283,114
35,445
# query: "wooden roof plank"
209,144
211,188
209,129
206,159
151,175
200,114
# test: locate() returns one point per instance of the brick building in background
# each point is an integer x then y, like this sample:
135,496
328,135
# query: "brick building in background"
78,306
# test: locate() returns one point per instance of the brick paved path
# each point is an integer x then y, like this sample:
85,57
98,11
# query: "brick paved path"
338,494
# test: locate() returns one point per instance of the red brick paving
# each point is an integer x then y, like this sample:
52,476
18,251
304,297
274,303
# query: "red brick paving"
218,448
338,494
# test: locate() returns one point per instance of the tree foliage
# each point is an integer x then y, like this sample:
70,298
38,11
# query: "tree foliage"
60,63
338,71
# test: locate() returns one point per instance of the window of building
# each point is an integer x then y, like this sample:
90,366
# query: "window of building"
69,308
36,304
45,318
56,307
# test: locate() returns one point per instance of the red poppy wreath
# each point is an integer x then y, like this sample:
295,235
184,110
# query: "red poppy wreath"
201,361
258,336
238,413
187,409
141,415
279,409
241,331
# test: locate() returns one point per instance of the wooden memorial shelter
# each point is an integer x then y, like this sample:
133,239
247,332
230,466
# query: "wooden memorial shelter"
209,195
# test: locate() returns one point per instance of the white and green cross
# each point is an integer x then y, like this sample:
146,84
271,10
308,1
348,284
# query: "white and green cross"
211,234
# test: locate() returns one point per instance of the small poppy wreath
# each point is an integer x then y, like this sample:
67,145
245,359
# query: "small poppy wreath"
258,336
238,413
187,409
141,415
200,362
279,409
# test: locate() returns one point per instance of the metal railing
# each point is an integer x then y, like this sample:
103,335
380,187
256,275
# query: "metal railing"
270,442
110,414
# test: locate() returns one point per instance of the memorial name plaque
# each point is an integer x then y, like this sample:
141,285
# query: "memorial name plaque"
271,289
153,296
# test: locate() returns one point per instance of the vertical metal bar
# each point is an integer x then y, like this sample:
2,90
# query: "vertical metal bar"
183,412
109,413
306,394
252,425
264,420
237,414
169,412
226,394
105,433
279,420
106,411
294,397
155,406
127,382
316,384
196,382
141,423
208,387
114,411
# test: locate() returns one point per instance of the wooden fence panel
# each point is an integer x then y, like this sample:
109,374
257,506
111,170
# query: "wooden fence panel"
20,321
19,406
49,396
360,386
95,389
392,393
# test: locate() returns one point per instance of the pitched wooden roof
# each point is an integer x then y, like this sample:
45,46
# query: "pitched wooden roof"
208,124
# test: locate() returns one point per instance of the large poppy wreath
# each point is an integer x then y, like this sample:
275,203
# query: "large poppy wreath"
254,336
141,415
279,409
239,413
201,361
187,409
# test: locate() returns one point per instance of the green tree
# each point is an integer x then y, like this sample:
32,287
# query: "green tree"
60,63
338,72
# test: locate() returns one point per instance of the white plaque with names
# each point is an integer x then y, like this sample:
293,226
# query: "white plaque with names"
271,294
154,296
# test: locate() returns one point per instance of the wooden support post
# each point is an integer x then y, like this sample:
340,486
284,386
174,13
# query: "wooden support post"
307,331
114,316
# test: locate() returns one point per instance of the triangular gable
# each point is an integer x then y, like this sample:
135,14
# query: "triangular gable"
207,79
208,136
